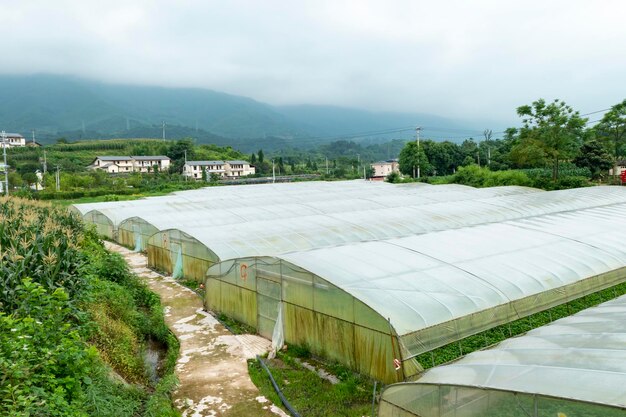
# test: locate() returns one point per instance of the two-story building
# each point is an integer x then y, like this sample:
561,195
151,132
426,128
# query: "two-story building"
12,140
147,163
127,164
236,169
384,168
224,169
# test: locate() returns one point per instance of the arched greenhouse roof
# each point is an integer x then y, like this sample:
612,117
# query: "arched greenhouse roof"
293,233
153,209
578,358
424,282
267,194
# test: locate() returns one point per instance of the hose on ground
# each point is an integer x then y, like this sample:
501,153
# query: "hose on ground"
286,403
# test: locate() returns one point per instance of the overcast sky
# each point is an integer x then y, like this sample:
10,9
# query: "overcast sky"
470,59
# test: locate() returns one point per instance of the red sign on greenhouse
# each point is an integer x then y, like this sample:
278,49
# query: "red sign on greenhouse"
623,175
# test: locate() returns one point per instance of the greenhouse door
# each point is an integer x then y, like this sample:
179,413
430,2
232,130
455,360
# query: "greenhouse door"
268,300
177,259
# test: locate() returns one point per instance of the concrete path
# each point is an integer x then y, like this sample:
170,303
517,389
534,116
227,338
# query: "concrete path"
212,367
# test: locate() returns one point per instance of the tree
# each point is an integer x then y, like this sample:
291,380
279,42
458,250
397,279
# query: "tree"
411,158
593,156
445,157
261,156
177,153
612,128
252,158
204,175
555,127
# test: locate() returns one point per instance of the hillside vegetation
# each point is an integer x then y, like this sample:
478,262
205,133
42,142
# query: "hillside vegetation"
74,323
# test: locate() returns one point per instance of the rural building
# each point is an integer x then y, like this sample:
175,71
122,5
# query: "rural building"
224,169
127,164
13,140
384,168
575,366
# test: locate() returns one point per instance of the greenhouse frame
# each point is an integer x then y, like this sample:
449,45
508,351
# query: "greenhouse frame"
575,366
199,245
366,304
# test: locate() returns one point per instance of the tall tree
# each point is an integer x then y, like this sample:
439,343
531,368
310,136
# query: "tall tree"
556,127
612,128
261,156
411,158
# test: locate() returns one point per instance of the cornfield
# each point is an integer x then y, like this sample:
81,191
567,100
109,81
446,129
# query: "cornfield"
41,243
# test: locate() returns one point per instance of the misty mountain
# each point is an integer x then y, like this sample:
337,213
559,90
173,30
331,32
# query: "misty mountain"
78,108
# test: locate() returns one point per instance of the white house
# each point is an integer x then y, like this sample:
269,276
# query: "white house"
147,163
236,169
384,168
13,140
122,164
224,169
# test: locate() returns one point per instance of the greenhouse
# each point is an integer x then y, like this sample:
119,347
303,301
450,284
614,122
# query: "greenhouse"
107,216
208,242
372,304
575,366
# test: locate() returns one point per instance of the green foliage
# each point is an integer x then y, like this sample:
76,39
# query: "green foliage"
475,176
393,177
612,129
554,128
78,305
411,158
308,393
594,157
43,362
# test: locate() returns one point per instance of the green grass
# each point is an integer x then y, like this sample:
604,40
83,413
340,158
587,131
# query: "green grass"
308,393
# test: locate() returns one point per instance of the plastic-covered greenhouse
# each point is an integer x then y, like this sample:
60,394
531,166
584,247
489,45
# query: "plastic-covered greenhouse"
369,303
345,195
575,366
191,247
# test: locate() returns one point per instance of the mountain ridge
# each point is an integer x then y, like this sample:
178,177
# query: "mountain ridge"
59,104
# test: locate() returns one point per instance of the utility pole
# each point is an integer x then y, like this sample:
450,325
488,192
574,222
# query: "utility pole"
58,179
417,139
33,136
45,162
163,127
364,177
184,166
273,172
326,165
489,155
6,167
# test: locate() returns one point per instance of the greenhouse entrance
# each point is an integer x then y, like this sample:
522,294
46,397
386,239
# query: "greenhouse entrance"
268,303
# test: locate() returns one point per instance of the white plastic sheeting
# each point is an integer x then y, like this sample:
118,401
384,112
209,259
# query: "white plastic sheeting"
440,287
299,233
345,195
578,358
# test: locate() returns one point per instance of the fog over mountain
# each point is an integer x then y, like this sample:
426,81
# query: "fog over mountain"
69,106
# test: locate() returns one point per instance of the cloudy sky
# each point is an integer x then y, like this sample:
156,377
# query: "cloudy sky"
468,59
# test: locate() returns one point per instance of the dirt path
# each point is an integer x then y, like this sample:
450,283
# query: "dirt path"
212,367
